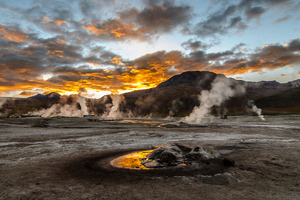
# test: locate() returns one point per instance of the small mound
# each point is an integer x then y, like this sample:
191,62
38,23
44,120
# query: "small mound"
178,155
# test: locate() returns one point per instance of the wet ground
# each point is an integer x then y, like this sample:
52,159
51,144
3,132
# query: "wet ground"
68,158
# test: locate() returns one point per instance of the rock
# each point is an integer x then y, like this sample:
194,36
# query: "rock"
155,154
184,149
201,153
152,164
228,162
195,156
174,148
167,157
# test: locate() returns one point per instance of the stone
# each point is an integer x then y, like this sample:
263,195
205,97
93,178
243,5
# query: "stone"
152,164
167,157
155,154
228,162
183,148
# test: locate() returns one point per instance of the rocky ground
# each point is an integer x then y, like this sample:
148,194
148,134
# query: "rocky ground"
68,158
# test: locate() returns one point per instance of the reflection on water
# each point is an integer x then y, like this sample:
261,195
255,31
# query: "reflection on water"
147,122
131,161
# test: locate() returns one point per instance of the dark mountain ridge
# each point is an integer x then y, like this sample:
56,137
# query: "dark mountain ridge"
175,97
50,96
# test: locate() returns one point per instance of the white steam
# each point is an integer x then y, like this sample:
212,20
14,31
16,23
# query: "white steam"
59,110
255,109
2,102
67,107
222,89
114,110
81,100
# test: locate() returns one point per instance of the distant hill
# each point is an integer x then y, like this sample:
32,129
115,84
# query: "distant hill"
261,89
287,101
50,96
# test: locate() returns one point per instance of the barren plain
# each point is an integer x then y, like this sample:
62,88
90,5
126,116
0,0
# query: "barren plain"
69,158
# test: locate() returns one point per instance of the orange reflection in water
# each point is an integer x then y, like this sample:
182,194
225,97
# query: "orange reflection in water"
131,161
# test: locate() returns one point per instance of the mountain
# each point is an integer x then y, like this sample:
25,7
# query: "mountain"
202,79
50,96
179,95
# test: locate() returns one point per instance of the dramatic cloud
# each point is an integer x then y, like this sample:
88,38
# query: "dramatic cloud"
63,46
142,24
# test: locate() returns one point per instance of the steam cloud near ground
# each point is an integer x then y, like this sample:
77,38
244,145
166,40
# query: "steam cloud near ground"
114,110
2,101
82,102
222,89
63,108
255,109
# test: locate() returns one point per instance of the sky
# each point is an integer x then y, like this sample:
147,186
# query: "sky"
110,46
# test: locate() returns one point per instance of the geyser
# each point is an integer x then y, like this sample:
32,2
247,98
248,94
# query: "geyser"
222,89
116,101
82,104
255,109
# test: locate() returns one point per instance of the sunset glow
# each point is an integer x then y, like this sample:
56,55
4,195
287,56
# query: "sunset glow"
118,46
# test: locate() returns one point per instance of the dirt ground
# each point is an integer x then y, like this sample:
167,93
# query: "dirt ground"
68,158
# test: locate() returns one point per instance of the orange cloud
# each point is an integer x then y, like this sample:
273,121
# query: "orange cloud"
116,29
27,94
59,22
23,72
58,53
12,34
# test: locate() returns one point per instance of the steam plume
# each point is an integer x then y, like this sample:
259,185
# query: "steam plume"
256,109
67,107
2,102
116,101
82,104
82,101
222,89
59,110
